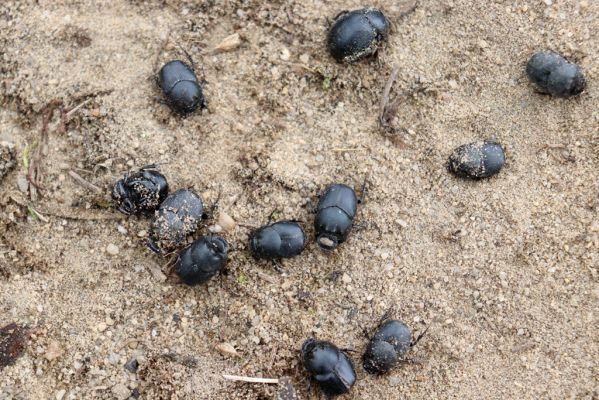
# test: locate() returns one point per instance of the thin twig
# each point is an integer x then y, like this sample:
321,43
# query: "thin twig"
77,108
250,379
348,149
82,182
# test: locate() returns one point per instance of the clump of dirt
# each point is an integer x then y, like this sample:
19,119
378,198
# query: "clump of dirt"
13,338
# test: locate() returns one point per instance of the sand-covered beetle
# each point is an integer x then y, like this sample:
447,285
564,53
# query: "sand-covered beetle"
181,87
388,347
357,34
283,239
177,217
201,260
553,74
329,366
476,160
335,214
141,191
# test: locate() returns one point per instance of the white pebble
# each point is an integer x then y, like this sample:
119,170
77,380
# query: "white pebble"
112,249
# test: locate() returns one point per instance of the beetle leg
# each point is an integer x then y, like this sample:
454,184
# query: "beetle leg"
415,342
363,191
310,207
279,268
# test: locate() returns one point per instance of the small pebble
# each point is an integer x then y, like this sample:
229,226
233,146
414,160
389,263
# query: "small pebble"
60,394
22,183
226,222
121,392
101,327
112,249
53,351
227,349
132,365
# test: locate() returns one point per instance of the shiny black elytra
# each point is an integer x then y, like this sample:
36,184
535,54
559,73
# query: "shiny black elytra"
388,347
335,213
200,261
283,239
553,74
142,191
477,160
357,34
181,87
177,217
329,366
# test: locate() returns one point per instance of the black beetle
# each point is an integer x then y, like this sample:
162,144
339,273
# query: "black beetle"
477,160
329,366
141,191
357,34
335,213
177,217
388,347
181,87
553,74
283,239
201,260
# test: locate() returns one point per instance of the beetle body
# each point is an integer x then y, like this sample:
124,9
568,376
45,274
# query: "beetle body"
357,34
141,191
181,87
177,217
283,239
387,348
477,160
335,213
553,74
330,367
201,260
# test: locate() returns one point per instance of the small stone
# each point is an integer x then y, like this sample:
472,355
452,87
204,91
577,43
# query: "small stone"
114,358
122,230
53,351
452,83
227,349
229,43
394,381
132,365
22,183
226,222
60,394
142,233
285,54
305,58
548,2
101,327
121,391
112,249
346,278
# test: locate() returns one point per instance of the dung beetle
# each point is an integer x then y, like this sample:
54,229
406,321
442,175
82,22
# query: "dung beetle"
141,191
335,213
476,160
201,260
177,217
388,347
283,239
181,87
357,34
329,366
553,74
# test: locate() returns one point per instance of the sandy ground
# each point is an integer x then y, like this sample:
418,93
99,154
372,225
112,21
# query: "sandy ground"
503,271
